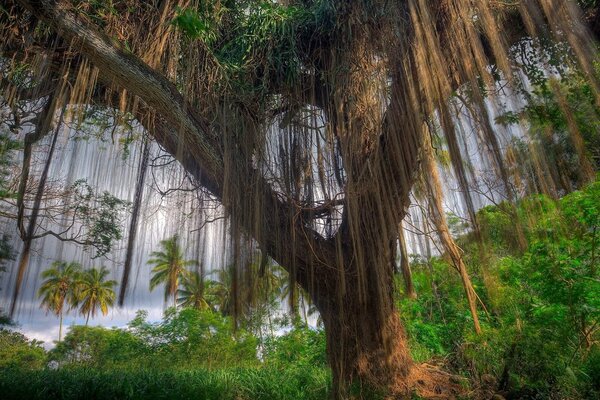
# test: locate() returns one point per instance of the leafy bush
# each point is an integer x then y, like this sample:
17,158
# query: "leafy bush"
16,351
183,339
302,346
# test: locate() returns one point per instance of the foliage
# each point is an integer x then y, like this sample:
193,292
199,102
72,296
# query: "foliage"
259,289
59,286
196,337
7,147
184,339
300,347
560,111
98,347
95,292
541,333
254,41
16,351
195,292
169,267
101,216
6,251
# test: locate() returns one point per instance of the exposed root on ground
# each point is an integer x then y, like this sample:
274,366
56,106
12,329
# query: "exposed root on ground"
430,382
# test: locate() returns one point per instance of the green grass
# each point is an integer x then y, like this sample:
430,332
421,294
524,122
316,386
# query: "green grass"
234,384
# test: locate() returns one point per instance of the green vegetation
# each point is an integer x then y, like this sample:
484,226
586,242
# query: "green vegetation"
189,354
17,352
540,334
101,214
59,287
231,384
95,292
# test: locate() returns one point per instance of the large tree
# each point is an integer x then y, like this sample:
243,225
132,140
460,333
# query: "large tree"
305,119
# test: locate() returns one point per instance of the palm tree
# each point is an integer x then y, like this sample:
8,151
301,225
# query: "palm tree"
59,286
95,292
220,291
169,267
254,288
196,292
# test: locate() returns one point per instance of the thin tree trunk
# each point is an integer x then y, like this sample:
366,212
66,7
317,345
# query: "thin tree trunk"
31,226
87,318
60,324
133,225
405,265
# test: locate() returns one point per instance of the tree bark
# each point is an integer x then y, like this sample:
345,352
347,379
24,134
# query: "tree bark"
366,342
133,225
47,117
60,324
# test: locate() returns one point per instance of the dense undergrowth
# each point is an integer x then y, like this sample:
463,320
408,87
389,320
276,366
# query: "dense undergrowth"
231,383
542,303
540,334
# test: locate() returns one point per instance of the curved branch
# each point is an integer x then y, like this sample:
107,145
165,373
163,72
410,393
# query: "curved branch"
137,77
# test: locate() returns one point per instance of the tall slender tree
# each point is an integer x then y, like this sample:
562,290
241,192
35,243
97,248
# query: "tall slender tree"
170,266
94,292
59,289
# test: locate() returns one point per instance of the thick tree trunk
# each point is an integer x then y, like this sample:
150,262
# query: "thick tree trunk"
366,342
371,354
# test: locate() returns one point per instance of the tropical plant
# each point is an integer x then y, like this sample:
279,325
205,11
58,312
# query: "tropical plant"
17,351
94,292
169,267
257,286
59,287
196,292
221,291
